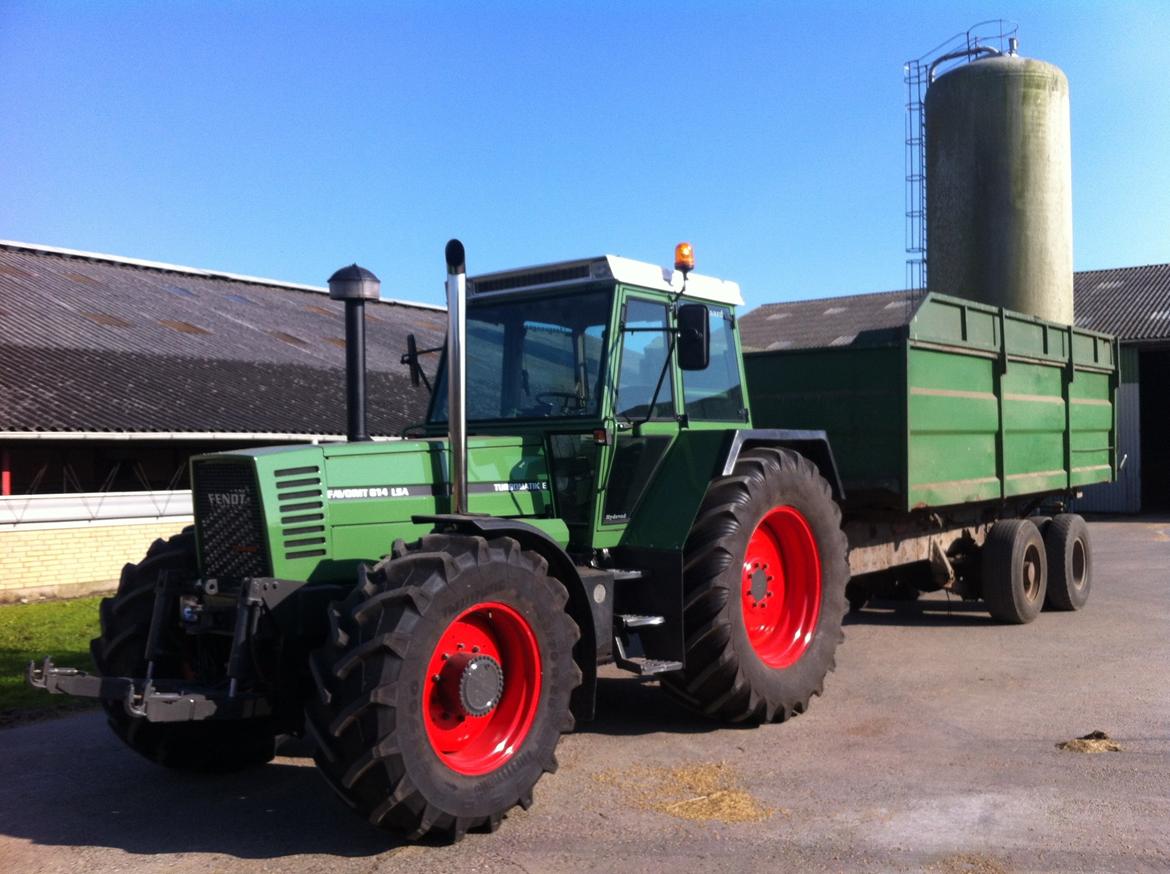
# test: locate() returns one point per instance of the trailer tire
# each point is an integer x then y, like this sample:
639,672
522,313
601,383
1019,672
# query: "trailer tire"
1014,571
405,733
767,544
1070,562
120,651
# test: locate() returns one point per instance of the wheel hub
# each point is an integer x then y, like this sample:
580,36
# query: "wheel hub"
759,584
483,688
781,591
1032,573
1079,565
477,683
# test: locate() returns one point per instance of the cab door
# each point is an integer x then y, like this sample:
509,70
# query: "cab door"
644,420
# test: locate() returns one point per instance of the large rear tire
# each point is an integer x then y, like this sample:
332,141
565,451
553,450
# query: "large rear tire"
444,686
1070,562
765,570
120,651
1014,571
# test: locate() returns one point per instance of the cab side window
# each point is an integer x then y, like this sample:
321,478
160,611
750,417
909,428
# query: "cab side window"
643,363
716,393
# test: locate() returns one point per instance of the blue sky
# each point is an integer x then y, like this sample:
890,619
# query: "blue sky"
287,139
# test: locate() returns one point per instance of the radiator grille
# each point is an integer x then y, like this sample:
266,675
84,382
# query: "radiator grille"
227,510
301,501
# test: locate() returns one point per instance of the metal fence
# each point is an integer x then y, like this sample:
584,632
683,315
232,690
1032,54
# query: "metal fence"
24,511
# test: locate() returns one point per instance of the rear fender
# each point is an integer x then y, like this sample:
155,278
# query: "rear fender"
813,445
664,516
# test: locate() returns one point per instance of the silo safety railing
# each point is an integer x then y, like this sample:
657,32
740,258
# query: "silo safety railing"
997,36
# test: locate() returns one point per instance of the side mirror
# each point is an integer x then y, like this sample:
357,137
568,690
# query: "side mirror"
694,336
411,359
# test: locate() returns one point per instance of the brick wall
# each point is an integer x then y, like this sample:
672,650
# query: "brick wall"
65,562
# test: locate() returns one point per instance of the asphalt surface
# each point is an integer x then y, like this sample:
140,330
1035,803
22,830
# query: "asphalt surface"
933,749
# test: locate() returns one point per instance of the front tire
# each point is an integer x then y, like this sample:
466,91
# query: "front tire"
120,651
445,685
765,571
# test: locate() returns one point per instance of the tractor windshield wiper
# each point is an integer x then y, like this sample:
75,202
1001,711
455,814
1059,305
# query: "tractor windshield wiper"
661,377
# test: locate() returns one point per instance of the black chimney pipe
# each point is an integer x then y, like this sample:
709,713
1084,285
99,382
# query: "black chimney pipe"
355,285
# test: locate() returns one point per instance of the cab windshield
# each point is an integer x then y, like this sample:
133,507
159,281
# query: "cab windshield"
533,358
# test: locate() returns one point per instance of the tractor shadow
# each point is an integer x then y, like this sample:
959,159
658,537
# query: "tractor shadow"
116,800
925,612
630,706
91,792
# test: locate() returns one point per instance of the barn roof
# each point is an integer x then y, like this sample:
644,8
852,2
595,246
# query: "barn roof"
1131,302
97,343
830,321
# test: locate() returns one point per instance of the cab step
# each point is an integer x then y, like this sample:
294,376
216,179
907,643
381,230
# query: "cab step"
628,649
620,574
634,620
645,667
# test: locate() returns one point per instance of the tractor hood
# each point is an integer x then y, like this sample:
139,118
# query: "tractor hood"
322,509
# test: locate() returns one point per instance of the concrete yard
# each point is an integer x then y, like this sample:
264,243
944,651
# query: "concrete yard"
933,749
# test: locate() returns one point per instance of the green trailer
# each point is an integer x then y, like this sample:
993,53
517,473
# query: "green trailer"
962,415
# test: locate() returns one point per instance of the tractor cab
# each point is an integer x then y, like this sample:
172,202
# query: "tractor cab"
605,361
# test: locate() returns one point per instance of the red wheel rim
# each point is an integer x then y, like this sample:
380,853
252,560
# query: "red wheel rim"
781,587
501,643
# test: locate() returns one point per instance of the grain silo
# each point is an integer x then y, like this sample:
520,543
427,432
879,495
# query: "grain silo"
999,185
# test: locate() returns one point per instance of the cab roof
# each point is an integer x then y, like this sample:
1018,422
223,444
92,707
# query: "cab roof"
565,274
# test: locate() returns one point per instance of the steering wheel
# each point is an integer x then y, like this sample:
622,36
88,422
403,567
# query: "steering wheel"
566,398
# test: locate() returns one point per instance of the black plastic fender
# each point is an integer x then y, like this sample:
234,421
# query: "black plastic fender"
813,445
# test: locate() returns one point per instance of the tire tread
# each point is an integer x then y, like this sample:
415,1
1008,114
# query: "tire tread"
714,680
357,671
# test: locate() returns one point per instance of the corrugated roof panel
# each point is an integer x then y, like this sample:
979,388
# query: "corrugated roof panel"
822,322
131,371
1132,303
107,320
1123,301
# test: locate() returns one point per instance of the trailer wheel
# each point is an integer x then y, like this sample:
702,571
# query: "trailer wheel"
765,570
1014,571
444,686
1070,562
120,651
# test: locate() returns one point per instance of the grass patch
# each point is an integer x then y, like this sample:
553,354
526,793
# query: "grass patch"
29,632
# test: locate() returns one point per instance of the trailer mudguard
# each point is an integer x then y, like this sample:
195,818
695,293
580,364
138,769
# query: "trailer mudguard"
581,605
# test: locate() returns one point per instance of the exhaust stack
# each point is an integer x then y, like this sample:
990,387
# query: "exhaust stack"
355,285
457,372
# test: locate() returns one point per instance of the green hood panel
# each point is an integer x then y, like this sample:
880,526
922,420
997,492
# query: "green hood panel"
327,507
506,476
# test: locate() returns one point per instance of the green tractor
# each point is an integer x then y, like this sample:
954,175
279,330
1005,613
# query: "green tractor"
431,612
